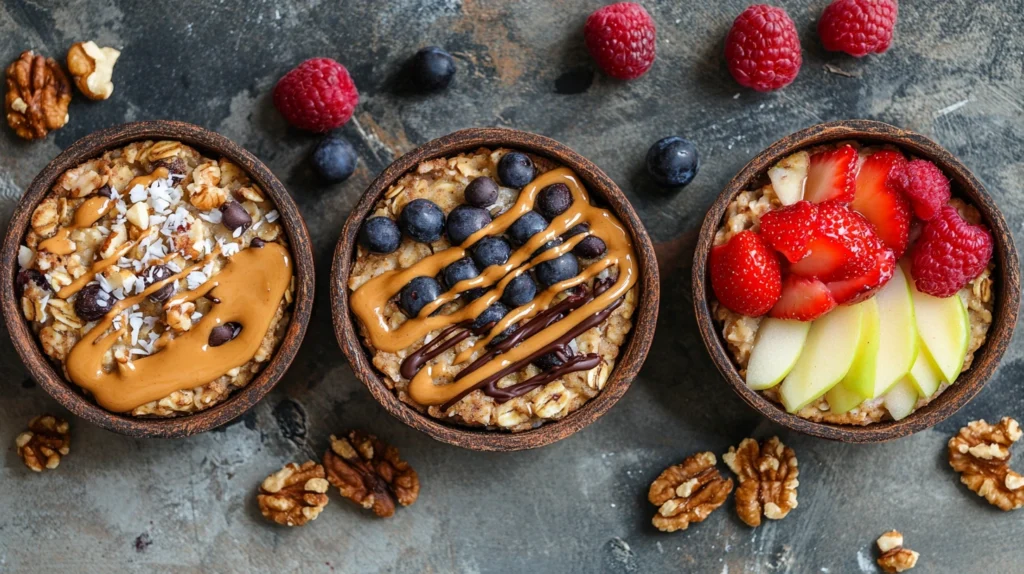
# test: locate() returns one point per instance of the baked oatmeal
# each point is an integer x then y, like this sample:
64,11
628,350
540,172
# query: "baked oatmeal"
491,292
157,278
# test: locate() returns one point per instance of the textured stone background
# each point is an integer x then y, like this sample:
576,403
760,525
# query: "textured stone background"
115,504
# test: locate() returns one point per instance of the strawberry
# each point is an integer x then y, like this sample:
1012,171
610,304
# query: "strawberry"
859,288
803,299
789,229
824,258
745,275
831,175
839,223
877,197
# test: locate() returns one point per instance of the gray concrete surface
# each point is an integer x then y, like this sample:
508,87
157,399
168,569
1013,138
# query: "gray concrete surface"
115,504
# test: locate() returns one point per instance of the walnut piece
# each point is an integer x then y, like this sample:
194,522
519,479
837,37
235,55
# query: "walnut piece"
369,473
980,452
688,492
768,479
895,558
92,67
294,495
47,439
38,94
46,217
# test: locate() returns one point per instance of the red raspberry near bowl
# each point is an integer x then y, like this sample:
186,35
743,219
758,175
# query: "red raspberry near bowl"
745,274
949,254
926,187
762,49
858,27
317,96
620,38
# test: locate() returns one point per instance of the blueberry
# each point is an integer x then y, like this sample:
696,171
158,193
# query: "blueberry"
547,362
576,230
415,296
334,159
530,224
422,220
553,243
155,274
492,314
431,69
93,302
673,162
380,235
473,294
460,271
491,251
516,169
554,200
592,246
557,270
481,192
519,291
465,220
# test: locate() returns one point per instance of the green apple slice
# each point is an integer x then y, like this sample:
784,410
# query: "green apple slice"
829,351
776,349
900,399
843,400
788,177
861,377
945,331
925,375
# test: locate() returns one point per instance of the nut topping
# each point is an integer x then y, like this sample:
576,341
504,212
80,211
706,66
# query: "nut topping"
980,452
294,495
369,473
38,94
687,493
768,479
47,439
895,558
92,67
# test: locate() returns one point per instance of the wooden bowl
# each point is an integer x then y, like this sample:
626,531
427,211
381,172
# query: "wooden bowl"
601,187
69,395
965,185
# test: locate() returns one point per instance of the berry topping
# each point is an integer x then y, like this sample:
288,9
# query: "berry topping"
926,187
949,254
762,49
860,287
379,235
25,276
673,161
516,169
93,302
417,294
839,224
553,200
878,199
496,312
858,27
831,175
745,275
553,243
155,274
465,220
334,159
422,220
591,247
431,69
790,229
491,251
481,192
824,258
547,362
620,38
803,299
223,333
557,270
459,271
317,96
530,224
519,291
576,230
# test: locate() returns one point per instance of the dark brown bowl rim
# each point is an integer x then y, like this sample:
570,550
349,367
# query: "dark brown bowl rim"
25,342
986,358
600,185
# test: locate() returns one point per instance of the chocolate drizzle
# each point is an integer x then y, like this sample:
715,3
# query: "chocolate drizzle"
435,347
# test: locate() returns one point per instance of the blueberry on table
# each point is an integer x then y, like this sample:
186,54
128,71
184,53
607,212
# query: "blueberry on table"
554,200
673,161
557,270
422,220
516,169
431,69
459,271
592,246
155,274
530,224
334,159
380,235
417,294
465,220
547,362
93,302
492,314
519,291
491,251
481,192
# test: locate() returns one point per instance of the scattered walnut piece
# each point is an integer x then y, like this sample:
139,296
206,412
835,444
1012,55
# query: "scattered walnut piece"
38,94
294,495
980,452
47,439
688,492
768,479
895,558
92,67
369,473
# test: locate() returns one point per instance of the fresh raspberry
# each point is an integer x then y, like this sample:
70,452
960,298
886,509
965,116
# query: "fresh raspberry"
745,275
317,96
949,254
925,185
762,49
789,229
620,38
858,27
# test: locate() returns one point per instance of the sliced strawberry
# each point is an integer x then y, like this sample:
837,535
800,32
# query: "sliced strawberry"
745,274
803,299
831,175
824,258
859,288
838,222
878,198
789,229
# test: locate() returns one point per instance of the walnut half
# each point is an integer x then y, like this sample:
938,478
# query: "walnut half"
47,439
92,68
369,473
895,558
38,94
294,495
980,452
688,492
768,479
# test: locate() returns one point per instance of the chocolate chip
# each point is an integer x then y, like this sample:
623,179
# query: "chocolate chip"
93,302
105,191
257,242
235,216
33,275
155,274
224,333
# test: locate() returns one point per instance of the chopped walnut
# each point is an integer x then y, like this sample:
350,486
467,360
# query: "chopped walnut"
92,67
369,473
38,94
687,493
768,479
47,439
980,452
204,192
895,558
294,495
179,317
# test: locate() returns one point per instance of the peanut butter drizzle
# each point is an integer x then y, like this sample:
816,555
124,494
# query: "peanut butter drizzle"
250,287
147,180
88,213
369,300
100,266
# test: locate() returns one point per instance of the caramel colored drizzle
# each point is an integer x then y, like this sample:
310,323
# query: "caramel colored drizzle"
88,213
147,180
100,266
